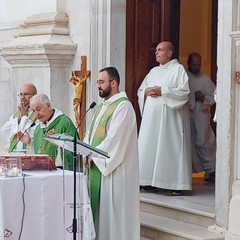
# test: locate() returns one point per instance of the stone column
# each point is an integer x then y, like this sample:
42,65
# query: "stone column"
41,53
225,106
228,182
108,42
233,232
236,79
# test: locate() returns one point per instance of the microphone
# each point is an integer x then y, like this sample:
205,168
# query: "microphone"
93,104
32,125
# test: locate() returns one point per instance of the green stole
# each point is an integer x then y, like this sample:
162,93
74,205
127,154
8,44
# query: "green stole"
15,138
94,173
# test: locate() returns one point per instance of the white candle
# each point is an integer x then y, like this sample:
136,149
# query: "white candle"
13,172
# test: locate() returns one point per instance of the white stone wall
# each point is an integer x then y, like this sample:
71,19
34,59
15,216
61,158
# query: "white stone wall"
225,108
228,130
108,39
8,97
19,10
98,27
52,81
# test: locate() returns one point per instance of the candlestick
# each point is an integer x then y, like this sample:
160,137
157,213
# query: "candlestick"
13,166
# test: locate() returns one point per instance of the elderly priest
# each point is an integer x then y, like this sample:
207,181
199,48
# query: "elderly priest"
51,121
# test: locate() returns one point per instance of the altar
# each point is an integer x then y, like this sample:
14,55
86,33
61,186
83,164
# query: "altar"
38,206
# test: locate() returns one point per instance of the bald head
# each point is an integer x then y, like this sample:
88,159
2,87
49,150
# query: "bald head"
27,90
164,52
30,87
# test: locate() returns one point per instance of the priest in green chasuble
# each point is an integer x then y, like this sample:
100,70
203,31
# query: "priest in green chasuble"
114,181
52,121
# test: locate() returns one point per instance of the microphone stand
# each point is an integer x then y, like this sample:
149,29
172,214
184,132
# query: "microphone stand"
74,185
75,174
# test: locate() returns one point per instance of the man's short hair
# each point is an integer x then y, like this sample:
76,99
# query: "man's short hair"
42,99
113,73
192,55
171,47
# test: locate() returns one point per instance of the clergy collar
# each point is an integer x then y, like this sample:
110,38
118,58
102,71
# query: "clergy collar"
56,114
50,117
166,65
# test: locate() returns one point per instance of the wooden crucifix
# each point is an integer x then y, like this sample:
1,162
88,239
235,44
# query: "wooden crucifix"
79,102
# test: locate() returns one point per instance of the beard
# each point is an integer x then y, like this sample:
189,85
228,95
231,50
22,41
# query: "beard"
105,93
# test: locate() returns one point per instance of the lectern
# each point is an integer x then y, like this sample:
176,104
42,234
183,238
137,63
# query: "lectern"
77,147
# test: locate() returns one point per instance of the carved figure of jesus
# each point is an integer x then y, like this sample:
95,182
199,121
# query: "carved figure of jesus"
78,95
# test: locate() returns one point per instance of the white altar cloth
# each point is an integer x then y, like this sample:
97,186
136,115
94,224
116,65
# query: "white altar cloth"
46,216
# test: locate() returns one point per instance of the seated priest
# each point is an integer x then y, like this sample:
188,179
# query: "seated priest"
52,121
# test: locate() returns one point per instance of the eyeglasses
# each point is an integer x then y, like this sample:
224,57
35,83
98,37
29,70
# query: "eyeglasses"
101,82
24,94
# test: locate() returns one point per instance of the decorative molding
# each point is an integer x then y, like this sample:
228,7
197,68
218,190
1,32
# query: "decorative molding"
230,236
43,41
237,77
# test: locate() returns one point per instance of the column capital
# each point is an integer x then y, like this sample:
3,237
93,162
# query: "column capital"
42,41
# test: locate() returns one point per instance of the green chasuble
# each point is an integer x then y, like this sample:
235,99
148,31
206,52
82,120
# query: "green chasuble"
15,138
62,124
99,135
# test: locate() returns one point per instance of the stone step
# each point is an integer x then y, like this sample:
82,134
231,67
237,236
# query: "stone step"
162,228
178,209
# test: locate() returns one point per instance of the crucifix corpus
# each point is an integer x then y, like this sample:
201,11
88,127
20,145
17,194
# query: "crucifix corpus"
79,102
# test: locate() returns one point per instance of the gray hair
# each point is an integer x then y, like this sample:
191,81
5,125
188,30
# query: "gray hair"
42,99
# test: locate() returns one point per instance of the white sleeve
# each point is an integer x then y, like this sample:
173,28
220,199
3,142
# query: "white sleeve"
10,128
141,94
120,128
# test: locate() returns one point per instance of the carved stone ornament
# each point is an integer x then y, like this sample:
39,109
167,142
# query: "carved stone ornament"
237,77
42,41
235,35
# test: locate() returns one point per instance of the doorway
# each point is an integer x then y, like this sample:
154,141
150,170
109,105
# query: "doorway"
148,23
190,24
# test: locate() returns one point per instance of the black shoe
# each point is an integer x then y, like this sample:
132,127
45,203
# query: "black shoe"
149,188
210,178
176,192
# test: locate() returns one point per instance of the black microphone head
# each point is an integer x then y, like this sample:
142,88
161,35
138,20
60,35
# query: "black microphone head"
93,104
32,125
